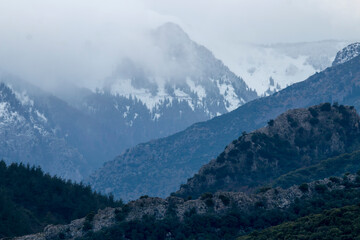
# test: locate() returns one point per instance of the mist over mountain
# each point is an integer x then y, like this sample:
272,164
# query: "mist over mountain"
29,134
158,167
157,119
267,68
139,102
142,101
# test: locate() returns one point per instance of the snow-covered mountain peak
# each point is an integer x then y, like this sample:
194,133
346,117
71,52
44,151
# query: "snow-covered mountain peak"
346,54
186,73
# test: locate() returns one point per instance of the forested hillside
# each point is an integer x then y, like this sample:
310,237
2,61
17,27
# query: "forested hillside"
31,199
298,138
334,224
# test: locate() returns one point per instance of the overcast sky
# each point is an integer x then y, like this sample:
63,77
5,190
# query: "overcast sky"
82,40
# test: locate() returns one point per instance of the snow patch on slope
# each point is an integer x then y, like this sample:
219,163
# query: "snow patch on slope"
124,88
7,116
228,91
23,97
199,90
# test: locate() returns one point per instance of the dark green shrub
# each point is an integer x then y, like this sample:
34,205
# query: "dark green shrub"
225,200
121,214
244,145
291,121
326,107
313,112
304,187
206,195
61,235
320,188
314,121
209,202
260,204
271,123
87,226
88,221
90,217
263,189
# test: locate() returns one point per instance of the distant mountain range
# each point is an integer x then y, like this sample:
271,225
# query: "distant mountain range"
158,167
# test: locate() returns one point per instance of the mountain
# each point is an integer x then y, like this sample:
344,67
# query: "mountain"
74,132
28,135
295,139
184,84
158,167
31,199
346,54
327,130
272,67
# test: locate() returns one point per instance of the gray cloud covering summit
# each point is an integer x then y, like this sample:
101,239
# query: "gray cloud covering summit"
81,42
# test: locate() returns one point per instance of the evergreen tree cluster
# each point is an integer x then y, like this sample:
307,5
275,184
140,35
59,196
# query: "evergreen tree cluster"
31,199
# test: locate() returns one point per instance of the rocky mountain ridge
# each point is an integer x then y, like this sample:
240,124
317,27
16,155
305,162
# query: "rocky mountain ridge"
297,138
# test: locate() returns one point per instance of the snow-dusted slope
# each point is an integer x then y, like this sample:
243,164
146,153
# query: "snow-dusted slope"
140,101
27,136
182,85
189,73
346,54
268,68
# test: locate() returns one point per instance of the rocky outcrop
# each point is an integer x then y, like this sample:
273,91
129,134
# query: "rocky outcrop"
218,203
104,218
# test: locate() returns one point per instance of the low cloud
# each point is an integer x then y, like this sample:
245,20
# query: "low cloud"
62,41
